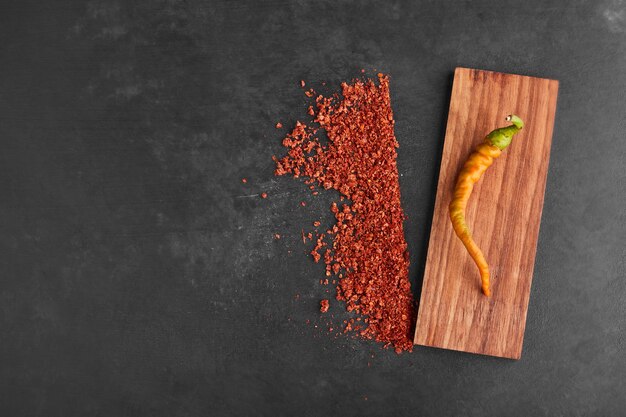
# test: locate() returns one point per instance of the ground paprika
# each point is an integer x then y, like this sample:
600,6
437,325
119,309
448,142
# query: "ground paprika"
368,251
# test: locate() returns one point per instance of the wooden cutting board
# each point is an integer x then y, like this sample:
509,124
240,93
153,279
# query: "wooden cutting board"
503,214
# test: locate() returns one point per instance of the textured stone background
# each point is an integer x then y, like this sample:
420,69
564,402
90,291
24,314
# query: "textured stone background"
140,276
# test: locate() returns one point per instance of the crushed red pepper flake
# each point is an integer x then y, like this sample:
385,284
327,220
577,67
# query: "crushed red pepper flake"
244,180
279,125
324,305
368,242
302,83
263,195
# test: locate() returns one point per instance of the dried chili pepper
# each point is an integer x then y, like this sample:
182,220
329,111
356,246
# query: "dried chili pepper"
475,166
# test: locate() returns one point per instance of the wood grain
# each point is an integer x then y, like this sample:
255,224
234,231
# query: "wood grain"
503,213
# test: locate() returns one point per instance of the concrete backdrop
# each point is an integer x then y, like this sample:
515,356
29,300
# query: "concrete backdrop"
140,277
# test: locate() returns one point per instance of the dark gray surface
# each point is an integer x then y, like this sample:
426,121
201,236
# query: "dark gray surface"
140,276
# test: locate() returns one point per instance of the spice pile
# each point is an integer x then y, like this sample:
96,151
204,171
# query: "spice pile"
368,251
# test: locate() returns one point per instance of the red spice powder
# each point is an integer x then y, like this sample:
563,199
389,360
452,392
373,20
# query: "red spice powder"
368,242
324,305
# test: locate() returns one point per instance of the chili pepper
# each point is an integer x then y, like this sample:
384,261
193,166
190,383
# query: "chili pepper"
475,166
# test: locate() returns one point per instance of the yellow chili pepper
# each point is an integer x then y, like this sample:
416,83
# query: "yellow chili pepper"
475,166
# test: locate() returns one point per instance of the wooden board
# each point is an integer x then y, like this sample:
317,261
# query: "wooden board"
503,213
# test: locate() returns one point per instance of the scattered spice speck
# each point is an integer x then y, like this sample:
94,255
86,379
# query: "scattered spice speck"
263,195
302,203
279,125
302,83
324,305
244,180
276,236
